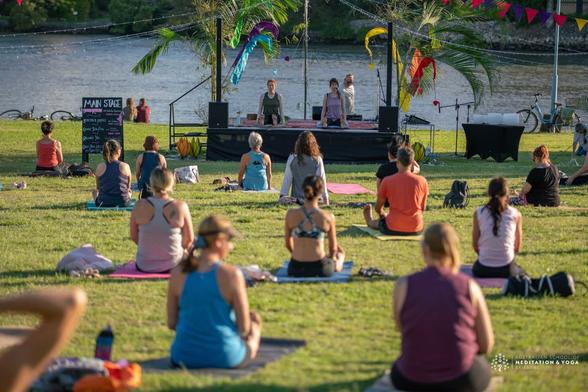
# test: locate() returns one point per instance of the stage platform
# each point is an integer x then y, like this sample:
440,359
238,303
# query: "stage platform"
337,145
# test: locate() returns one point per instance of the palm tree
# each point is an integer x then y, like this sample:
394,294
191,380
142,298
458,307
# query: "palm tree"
200,32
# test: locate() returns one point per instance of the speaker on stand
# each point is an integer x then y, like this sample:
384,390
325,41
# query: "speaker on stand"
388,119
218,114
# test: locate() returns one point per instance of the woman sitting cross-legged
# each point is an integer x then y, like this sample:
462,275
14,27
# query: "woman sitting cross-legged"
207,304
161,226
113,178
49,154
443,320
255,171
306,228
542,185
497,234
145,164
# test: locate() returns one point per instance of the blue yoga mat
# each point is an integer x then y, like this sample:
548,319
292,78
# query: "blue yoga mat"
338,277
91,206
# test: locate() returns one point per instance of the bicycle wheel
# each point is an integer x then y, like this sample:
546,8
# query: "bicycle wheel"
62,115
12,114
528,119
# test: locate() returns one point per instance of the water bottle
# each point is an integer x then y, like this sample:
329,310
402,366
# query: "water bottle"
104,344
238,119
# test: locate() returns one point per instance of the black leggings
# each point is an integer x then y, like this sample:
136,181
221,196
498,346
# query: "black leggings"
476,379
511,269
305,269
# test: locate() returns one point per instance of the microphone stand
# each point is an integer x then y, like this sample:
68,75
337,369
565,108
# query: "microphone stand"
457,106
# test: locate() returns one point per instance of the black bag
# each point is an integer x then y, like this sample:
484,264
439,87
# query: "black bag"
459,196
82,170
561,284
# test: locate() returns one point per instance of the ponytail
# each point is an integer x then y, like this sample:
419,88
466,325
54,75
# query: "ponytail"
313,187
498,203
111,148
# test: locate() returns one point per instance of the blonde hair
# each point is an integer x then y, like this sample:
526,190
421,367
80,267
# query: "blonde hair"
161,181
443,243
110,149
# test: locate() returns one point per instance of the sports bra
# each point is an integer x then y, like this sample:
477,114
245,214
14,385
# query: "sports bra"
315,232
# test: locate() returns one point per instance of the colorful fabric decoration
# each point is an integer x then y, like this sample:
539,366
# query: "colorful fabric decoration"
241,62
503,7
488,3
19,2
581,23
559,19
240,20
476,3
420,71
517,9
256,30
372,33
544,16
531,14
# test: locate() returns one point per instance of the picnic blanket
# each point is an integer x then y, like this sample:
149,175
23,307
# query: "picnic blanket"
493,283
130,271
384,384
337,277
91,206
347,189
270,350
383,237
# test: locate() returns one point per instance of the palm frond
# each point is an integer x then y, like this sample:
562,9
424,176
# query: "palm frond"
161,46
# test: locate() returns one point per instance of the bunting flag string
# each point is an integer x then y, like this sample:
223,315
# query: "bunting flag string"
531,14
517,9
581,23
559,19
503,7
544,16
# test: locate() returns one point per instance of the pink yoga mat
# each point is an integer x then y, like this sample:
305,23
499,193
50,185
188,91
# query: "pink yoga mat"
493,283
130,271
347,189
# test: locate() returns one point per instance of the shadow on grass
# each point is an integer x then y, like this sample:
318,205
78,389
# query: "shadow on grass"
576,251
356,386
30,273
64,207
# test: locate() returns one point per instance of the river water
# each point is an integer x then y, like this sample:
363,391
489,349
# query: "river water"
54,72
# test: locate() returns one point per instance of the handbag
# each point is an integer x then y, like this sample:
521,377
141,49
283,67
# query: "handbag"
187,175
561,284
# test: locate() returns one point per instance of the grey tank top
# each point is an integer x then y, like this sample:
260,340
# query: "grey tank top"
300,170
160,245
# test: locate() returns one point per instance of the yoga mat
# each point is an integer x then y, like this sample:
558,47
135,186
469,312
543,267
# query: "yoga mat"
337,277
383,237
91,206
130,271
347,189
270,350
264,191
384,384
9,336
493,283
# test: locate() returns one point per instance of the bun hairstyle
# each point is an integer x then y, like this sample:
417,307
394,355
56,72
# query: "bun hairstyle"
306,144
47,127
396,143
209,230
151,143
541,153
110,150
313,187
334,80
161,181
498,203
405,156
443,243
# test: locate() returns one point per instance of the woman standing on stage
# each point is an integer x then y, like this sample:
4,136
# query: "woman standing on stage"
333,113
271,109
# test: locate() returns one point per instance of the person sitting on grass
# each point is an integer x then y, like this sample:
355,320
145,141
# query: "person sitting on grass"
580,143
497,234
580,177
444,322
390,168
255,171
49,154
113,178
145,164
60,311
406,194
306,228
161,226
542,185
143,112
207,304
306,161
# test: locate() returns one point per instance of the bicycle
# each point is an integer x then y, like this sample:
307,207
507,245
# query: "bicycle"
64,115
559,117
15,114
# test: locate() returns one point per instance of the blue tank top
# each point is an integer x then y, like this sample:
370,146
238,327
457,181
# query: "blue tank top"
206,333
255,174
150,162
114,187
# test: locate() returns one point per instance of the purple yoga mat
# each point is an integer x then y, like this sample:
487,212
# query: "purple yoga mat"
347,189
130,271
493,283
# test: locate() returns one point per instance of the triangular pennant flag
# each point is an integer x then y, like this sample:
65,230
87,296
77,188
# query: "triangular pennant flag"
560,19
19,2
476,3
518,11
445,2
544,16
503,7
488,3
531,14
581,23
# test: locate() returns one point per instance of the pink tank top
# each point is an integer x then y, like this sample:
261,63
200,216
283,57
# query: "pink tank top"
47,155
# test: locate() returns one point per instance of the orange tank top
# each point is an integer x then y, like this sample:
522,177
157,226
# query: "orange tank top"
47,156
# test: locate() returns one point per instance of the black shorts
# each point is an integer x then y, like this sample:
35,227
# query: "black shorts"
480,270
386,231
305,269
267,119
40,168
333,123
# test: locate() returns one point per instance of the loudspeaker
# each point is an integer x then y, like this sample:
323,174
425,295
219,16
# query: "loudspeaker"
218,114
316,113
388,119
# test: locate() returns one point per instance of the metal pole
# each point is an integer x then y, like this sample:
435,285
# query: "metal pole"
305,56
554,81
219,95
389,68
579,7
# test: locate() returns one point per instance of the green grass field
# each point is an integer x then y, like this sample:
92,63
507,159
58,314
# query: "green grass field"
348,328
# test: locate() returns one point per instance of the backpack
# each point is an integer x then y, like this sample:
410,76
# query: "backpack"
63,373
561,284
459,196
82,170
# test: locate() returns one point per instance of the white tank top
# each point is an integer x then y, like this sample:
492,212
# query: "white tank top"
497,251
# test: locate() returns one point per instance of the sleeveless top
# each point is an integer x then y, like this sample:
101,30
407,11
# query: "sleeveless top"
150,162
114,186
497,251
47,156
255,174
301,170
437,319
160,245
333,107
206,332
315,232
271,105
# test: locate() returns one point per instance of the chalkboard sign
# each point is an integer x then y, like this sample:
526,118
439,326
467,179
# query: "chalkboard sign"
102,120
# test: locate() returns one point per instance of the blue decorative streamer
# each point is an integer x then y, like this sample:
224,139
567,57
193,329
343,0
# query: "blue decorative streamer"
239,68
